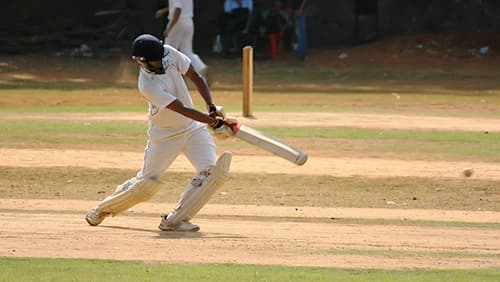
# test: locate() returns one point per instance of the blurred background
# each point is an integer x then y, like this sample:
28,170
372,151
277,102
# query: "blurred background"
33,25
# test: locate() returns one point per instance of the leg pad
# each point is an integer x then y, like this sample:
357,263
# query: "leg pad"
200,190
140,191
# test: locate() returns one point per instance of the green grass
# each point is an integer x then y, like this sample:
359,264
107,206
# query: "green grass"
446,98
83,127
74,109
62,132
8,127
400,253
339,98
360,133
235,107
438,144
41,269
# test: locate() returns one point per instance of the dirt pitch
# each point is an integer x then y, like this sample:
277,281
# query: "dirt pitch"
388,238
298,236
275,235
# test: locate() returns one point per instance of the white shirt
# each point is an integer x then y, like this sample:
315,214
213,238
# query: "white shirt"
161,90
186,7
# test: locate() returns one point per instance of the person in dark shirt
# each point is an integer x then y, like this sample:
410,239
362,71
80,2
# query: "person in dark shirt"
298,7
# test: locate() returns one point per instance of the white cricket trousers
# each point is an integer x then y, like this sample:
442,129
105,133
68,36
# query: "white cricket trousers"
181,38
197,145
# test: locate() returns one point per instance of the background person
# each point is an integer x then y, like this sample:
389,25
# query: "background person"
180,32
236,20
298,7
161,14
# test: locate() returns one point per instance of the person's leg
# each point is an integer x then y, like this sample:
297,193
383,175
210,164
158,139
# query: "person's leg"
201,152
222,20
158,157
137,192
300,29
176,35
227,37
235,24
186,45
197,194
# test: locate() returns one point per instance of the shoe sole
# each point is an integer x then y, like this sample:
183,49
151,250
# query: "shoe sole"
196,229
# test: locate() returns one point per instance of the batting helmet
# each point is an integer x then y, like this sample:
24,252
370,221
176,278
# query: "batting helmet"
147,48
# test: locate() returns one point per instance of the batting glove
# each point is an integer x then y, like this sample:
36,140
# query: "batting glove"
216,111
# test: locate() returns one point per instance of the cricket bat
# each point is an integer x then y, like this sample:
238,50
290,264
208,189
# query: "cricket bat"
269,144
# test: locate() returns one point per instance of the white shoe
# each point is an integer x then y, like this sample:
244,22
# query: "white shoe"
183,226
94,217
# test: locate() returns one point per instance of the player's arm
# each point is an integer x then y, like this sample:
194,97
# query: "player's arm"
203,89
161,12
175,18
194,114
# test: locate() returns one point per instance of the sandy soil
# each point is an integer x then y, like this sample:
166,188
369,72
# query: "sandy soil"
342,167
298,236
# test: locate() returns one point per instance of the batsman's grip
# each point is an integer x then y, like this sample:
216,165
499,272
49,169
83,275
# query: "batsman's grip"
226,130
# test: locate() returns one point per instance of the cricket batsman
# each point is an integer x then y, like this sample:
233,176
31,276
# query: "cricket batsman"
175,127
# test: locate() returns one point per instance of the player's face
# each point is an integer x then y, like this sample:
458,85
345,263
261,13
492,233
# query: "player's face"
157,66
151,66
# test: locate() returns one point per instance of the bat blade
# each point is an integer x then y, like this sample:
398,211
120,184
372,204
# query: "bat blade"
271,144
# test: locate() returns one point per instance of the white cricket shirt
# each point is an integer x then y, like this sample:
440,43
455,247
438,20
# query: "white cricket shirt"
185,5
161,90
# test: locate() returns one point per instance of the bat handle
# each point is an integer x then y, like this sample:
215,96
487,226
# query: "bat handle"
234,127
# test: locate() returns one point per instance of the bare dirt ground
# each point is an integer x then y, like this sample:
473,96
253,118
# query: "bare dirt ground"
341,167
277,235
298,236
